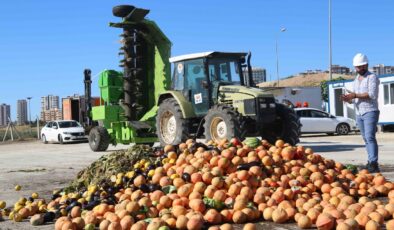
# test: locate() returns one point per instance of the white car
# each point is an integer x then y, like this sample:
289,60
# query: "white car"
318,121
63,131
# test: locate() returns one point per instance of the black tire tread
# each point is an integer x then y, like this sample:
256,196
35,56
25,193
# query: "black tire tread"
236,123
182,125
289,128
104,139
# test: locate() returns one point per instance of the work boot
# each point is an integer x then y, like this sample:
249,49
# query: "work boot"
365,166
373,167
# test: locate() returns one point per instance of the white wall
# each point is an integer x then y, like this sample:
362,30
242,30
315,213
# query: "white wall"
386,111
334,105
312,95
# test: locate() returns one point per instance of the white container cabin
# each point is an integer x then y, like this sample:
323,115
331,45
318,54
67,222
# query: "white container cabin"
385,99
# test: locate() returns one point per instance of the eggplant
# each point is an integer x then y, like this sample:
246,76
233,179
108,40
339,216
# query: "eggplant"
91,204
110,190
49,216
68,208
97,193
54,196
144,188
198,144
72,205
111,200
154,187
186,177
88,207
247,166
57,214
133,187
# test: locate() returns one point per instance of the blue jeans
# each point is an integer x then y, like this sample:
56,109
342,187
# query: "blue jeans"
368,127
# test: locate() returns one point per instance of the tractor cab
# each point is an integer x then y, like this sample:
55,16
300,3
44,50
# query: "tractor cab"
199,76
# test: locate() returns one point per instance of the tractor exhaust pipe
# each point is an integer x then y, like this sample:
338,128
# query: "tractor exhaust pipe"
250,73
88,96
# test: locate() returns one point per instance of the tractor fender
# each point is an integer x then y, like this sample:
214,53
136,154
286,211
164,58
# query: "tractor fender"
186,106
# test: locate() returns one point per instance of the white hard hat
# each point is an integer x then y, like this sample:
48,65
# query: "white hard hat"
360,59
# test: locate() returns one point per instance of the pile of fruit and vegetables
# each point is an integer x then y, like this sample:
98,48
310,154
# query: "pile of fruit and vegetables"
213,186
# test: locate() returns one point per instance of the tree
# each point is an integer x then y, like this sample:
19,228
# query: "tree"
324,87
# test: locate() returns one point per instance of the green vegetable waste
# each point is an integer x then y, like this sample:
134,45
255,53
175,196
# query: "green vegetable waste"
120,161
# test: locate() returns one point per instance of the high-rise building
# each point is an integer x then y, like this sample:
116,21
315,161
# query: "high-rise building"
21,112
5,114
382,69
50,105
49,102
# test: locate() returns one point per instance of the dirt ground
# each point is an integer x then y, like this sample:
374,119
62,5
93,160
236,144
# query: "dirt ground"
42,168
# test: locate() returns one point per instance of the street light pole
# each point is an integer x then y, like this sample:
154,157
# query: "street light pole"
277,55
28,98
329,40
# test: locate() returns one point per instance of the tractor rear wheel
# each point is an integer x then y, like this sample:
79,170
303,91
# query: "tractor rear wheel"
99,139
287,127
223,122
172,128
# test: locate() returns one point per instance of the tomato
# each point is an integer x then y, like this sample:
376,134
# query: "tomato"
235,141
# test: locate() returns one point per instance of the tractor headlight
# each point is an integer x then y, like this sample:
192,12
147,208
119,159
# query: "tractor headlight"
272,105
263,106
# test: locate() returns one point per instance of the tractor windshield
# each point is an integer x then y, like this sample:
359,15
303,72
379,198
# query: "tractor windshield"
224,70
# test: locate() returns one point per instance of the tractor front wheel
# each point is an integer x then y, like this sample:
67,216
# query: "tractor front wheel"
99,139
171,127
223,122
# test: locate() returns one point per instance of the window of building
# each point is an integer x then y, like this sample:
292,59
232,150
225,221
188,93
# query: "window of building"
388,93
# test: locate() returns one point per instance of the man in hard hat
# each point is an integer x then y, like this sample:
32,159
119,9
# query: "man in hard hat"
365,97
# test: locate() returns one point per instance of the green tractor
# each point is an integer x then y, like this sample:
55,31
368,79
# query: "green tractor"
209,94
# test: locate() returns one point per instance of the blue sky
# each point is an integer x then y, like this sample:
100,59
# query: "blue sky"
45,45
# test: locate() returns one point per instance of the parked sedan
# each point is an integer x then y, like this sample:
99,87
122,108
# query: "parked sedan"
317,121
63,131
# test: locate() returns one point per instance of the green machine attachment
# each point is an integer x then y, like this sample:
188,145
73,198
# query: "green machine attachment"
129,98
